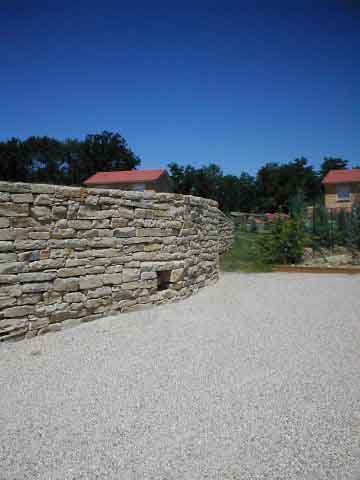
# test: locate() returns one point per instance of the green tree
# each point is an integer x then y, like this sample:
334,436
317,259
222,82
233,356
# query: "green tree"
323,227
183,178
342,221
45,159
247,193
228,193
74,173
15,162
278,183
297,206
106,151
268,181
284,243
353,231
204,181
332,163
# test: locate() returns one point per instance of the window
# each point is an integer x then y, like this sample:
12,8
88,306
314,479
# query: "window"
343,192
139,187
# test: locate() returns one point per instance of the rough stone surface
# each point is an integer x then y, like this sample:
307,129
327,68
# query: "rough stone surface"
12,209
20,311
40,212
66,284
6,246
59,212
226,232
7,234
22,197
37,287
75,253
14,267
177,275
4,222
90,281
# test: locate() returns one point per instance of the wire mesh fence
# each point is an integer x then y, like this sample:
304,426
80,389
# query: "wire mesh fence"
334,227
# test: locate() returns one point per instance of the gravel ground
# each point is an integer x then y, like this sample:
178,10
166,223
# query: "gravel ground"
256,377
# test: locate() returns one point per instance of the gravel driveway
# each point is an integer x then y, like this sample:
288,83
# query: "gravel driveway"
255,377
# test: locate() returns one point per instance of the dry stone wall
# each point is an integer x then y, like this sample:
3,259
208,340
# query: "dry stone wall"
226,232
69,255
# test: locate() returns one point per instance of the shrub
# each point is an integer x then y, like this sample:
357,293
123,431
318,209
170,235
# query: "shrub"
322,228
297,206
342,227
353,229
284,243
252,226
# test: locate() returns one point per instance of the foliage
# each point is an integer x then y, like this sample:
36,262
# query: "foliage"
331,163
322,228
287,238
276,184
270,191
297,206
329,228
45,159
208,182
284,243
15,161
253,227
341,227
353,229
244,255
106,152
276,187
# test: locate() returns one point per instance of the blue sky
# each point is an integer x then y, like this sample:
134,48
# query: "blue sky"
236,83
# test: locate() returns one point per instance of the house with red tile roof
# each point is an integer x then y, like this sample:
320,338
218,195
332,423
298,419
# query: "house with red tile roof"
342,188
136,180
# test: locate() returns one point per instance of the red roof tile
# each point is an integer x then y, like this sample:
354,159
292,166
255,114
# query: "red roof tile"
124,176
342,176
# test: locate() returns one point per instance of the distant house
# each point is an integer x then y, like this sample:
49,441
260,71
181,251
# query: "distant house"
136,180
342,188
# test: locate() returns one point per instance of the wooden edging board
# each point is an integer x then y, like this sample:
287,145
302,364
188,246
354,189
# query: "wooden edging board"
345,270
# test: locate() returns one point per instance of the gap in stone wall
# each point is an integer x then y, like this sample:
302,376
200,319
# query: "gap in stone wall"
163,279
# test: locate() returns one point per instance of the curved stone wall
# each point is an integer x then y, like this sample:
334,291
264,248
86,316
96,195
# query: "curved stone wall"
226,232
69,255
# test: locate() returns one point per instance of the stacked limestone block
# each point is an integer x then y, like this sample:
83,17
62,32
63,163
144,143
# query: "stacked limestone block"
69,255
226,229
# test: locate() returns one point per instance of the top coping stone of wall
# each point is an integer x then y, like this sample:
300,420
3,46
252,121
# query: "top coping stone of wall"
83,192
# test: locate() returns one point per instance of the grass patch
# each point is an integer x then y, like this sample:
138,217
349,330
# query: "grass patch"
243,257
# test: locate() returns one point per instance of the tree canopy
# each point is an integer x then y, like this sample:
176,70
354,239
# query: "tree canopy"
274,187
332,163
70,162
45,159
